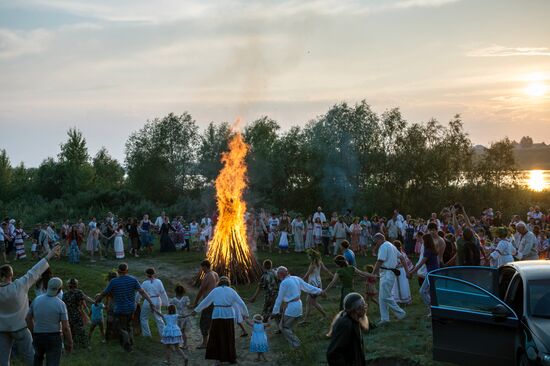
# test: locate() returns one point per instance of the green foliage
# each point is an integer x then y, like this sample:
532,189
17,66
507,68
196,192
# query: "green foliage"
108,173
5,175
160,157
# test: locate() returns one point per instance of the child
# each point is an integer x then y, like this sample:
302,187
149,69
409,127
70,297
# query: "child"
96,317
171,335
326,234
202,238
419,242
74,252
35,237
371,294
181,302
258,341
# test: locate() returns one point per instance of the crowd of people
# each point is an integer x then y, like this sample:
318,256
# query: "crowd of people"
57,320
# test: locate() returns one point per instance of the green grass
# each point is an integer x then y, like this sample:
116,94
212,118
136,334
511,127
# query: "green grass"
409,339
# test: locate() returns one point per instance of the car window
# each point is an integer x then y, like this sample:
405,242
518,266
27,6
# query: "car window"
539,298
457,294
505,276
514,295
484,277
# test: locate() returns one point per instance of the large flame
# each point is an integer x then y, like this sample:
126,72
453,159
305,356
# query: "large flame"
228,252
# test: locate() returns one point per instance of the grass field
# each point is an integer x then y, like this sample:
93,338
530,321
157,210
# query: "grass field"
407,342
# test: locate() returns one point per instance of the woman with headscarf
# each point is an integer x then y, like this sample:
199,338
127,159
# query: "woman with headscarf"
346,340
221,339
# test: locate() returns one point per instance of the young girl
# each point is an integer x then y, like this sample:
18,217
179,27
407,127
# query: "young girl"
171,335
258,341
313,277
419,242
371,294
96,317
181,302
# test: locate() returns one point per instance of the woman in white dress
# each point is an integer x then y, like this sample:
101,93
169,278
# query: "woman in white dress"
401,291
309,233
119,242
505,250
298,232
313,277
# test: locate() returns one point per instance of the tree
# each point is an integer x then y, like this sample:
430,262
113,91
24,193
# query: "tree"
161,157
526,142
5,175
213,142
74,151
50,179
108,173
77,173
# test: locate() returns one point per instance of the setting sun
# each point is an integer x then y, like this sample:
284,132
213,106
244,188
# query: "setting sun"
536,180
536,89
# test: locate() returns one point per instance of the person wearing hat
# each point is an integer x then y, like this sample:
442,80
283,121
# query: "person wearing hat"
46,319
154,287
221,339
346,338
14,302
123,289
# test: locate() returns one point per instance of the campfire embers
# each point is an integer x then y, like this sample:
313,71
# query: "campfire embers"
228,251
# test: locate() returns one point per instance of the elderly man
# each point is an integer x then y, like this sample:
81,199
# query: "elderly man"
346,333
46,319
386,265
14,302
527,248
123,288
288,302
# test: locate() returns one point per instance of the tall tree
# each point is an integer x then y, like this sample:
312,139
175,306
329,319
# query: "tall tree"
5,175
161,157
75,163
213,142
108,173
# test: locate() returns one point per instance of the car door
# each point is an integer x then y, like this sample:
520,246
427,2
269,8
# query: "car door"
485,277
471,326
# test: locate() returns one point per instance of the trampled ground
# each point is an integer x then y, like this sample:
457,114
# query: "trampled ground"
407,342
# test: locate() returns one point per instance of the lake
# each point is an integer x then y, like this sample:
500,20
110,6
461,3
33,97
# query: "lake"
537,180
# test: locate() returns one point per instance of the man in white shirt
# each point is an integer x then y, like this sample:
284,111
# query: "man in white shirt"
388,259
527,247
155,289
289,293
14,305
320,215
206,221
160,220
394,227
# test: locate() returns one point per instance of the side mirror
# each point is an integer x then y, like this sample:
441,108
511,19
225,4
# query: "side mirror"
500,312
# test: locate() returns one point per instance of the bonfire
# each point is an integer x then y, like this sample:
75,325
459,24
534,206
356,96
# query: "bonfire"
228,251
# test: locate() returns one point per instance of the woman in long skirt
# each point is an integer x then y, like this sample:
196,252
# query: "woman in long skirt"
284,228
401,290
298,232
309,234
166,243
221,340
119,242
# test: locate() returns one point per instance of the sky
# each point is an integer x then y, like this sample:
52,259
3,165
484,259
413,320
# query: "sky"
106,67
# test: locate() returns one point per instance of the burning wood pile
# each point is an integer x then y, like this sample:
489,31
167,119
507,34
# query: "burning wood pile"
228,251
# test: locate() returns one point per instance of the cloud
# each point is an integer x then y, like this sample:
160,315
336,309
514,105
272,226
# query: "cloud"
19,43
422,3
503,51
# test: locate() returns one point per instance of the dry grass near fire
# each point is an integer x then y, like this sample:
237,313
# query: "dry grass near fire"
406,343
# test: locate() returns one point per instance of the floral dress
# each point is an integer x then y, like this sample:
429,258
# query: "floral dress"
74,299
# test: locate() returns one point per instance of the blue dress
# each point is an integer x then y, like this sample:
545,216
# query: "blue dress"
74,253
171,333
258,342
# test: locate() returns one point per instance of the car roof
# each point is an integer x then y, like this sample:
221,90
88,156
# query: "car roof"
532,270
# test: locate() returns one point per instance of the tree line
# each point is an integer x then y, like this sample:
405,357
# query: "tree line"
348,158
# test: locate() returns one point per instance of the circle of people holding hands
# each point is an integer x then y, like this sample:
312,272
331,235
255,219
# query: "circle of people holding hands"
54,320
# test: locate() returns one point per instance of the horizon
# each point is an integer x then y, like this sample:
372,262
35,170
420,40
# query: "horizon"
107,68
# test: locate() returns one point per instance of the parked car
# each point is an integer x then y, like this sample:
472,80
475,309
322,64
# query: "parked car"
490,316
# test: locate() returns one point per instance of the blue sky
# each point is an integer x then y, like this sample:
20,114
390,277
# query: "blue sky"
108,66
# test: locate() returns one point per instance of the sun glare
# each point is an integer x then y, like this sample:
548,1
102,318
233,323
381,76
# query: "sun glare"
536,89
536,180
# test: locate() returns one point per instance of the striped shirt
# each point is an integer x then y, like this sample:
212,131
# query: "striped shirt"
123,289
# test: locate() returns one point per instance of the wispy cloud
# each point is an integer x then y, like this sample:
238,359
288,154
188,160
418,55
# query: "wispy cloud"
503,51
422,3
19,43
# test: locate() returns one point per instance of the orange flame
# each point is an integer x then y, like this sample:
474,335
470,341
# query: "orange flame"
228,252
